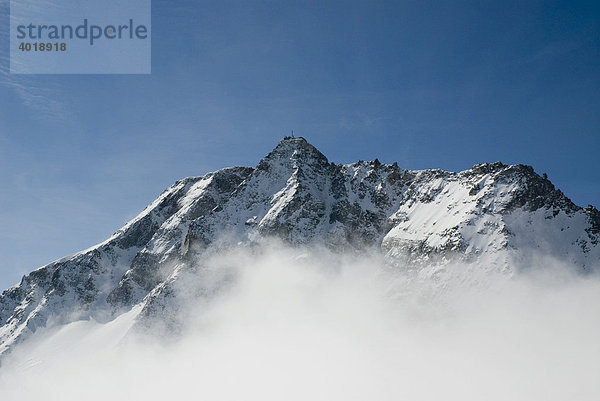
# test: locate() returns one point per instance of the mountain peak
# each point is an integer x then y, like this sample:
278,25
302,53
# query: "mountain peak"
294,139
292,143
292,152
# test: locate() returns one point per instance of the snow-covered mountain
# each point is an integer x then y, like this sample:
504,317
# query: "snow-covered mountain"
493,217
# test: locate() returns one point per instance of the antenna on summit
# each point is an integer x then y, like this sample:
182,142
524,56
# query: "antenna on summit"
293,134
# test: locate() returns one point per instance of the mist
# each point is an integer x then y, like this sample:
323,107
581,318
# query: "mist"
307,324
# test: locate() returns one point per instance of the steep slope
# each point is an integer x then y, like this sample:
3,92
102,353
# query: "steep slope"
493,216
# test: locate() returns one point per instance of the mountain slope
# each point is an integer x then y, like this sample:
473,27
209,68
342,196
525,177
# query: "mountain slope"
494,216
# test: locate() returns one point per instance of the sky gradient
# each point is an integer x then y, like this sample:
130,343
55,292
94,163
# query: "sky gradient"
443,84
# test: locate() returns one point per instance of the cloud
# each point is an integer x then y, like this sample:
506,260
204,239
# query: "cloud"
37,94
33,91
308,324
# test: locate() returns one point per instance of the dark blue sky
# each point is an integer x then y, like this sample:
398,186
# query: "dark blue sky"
444,84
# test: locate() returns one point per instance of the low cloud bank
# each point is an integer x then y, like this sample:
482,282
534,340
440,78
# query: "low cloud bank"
310,325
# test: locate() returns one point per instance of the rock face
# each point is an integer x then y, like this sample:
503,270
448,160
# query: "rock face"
492,216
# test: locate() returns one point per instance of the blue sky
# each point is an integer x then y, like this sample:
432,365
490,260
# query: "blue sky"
443,84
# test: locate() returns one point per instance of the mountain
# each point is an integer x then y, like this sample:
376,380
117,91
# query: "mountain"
493,217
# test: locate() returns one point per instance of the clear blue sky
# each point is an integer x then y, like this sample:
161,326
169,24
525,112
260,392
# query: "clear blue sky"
443,84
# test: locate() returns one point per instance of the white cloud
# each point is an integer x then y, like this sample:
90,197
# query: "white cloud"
299,325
